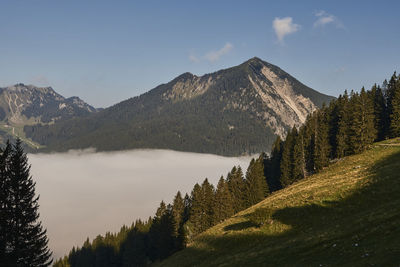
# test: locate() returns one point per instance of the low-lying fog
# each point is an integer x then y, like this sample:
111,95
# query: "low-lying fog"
83,194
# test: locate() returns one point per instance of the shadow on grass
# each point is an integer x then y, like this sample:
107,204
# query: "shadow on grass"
360,230
240,226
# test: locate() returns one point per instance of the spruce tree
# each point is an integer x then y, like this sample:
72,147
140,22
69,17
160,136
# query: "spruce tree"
380,113
287,158
394,115
322,147
223,205
237,187
256,183
299,162
343,131
26,240
273,166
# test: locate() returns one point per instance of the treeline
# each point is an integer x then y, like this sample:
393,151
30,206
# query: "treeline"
175,224
348,125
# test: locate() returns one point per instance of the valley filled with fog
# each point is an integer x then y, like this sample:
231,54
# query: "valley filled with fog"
84,193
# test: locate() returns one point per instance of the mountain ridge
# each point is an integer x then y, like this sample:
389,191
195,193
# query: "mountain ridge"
233,111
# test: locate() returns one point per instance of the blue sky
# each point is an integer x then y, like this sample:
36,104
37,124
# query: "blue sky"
107,51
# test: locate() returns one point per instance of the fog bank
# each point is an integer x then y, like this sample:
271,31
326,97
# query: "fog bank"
83,193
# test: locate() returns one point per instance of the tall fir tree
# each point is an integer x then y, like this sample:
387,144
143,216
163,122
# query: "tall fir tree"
343,131
237,187
394,114
380,112
299,160
362,122
257,187
322,146
272,166
223,204
26,240
287,158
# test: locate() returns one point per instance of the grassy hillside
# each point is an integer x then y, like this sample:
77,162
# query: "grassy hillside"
347,215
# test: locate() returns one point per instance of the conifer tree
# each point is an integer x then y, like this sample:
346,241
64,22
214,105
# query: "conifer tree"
343,135
299,162
394,114
322,147
26,240
362,122
223,205
380,113
257,187
273,166
178,209
287,158
237,187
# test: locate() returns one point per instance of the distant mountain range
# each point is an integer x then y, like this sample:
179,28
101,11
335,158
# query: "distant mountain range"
22,105
230,112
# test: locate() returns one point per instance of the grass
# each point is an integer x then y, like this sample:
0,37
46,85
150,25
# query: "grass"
347,215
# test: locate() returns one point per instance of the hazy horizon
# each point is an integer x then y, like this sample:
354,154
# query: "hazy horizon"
86,193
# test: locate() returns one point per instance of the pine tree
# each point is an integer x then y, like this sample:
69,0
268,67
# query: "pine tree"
299,162
273,166
380,113
362,122
237,187
223,205
343,133
26,241
322,147
394,114
257,187
178,209
287,158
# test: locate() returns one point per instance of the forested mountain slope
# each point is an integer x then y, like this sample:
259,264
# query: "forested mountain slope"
346,215
234,111
22,105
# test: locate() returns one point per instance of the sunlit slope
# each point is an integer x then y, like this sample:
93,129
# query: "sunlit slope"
347,215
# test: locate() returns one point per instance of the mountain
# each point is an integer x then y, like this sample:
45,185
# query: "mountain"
346,215
234,111
22,105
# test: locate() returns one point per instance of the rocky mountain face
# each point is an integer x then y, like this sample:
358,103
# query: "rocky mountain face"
235,111
22,105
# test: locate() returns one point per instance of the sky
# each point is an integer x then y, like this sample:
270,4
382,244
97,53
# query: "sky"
108,51
84,194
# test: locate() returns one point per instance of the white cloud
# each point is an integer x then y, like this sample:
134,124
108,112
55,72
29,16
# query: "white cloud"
213,56
284,26
83,193
193,58
324,18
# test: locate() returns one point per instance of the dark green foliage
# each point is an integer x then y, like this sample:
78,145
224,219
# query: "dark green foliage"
272,166
223,204
322,147
287,158
299,160
393,95
237,187
362,131
256,183
23,241
380,112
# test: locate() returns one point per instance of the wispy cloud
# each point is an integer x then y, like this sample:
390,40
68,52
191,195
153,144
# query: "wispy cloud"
193,58
324,18
284,26
213,56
